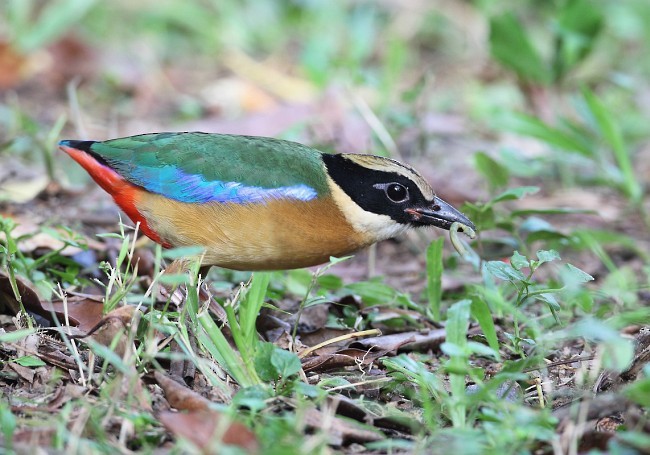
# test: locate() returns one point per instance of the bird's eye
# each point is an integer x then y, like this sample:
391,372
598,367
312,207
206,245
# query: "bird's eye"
396,192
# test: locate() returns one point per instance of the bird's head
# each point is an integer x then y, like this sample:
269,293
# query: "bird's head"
382,197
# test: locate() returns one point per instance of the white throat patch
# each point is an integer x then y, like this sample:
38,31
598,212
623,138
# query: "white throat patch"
371,226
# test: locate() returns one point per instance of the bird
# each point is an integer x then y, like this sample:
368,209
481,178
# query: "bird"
259,203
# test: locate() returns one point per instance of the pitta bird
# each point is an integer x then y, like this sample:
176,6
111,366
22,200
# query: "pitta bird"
258,203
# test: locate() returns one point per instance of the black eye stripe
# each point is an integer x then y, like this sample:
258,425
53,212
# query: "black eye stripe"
394,191
367,188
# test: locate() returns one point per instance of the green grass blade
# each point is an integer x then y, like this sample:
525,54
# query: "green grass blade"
434,277
611,133
481,312
457,325
251,306
224,353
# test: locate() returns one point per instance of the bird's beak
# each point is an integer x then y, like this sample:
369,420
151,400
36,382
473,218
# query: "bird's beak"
439,214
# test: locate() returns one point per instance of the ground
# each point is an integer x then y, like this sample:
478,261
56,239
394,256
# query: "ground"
532,118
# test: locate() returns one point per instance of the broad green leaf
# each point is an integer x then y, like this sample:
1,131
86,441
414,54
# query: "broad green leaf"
578,26
330,282
550,300
308,390
458,322
511,46
253,397
264,365
30,361
481,312
298,281
518,261
286,363
572,275
546,236
547,256
513,194
504,271
536,224
273,363
496,174
481,349
373,292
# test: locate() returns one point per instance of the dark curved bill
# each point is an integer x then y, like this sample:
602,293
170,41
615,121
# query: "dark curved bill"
439,214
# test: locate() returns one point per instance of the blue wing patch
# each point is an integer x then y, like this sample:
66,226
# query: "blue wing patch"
173,183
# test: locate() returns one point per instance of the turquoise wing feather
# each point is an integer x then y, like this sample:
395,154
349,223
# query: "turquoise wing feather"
201,167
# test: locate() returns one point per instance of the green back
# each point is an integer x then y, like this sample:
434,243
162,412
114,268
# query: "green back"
251,161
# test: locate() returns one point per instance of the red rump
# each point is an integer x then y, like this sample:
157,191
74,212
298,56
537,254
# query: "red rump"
125,194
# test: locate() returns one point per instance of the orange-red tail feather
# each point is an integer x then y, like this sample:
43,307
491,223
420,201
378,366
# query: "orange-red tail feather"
125,194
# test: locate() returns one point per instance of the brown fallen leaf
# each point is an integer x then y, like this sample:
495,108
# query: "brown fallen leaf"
343,358
65,394
26,291
409,341
27,439
371,415
322,335
26,374
209,430
180,397
201,425
114,325
54,352
340,431
14,66
84,313
20,191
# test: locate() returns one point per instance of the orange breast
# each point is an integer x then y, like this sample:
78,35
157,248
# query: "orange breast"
279,234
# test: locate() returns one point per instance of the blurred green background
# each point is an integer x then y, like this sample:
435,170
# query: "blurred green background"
532,115
439,78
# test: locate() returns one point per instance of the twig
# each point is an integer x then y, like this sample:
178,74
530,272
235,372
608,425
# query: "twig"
347,336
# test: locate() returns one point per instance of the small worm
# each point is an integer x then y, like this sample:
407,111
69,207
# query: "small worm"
453,236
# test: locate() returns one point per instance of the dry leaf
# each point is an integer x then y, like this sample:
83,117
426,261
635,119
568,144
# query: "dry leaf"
112,326
209,430
339,430
179,396
28,294
84,313
203,426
